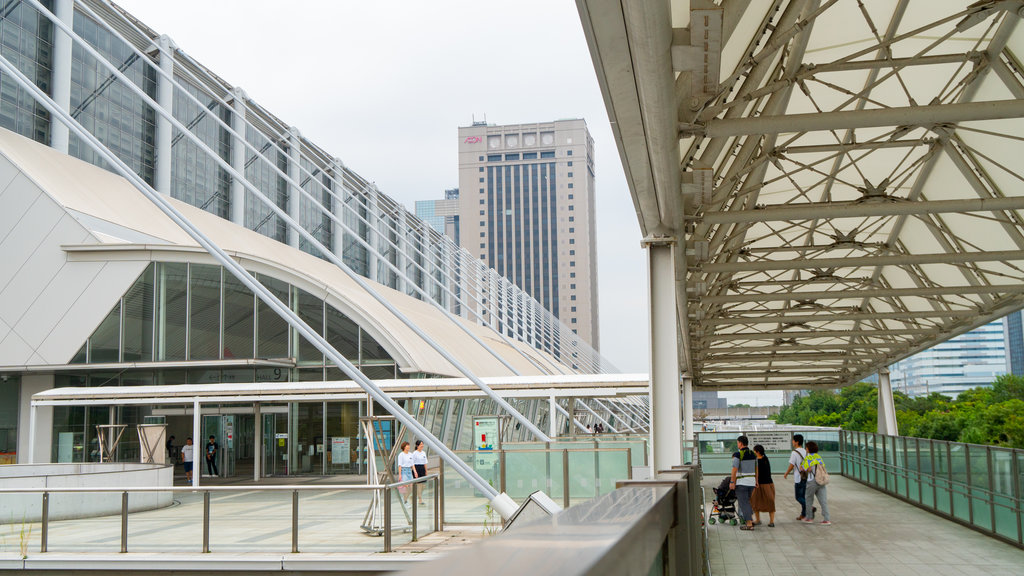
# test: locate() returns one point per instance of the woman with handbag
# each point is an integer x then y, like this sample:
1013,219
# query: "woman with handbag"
763,498
817,480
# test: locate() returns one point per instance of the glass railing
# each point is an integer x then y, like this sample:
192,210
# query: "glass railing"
715,449
637,445
979,486
568,475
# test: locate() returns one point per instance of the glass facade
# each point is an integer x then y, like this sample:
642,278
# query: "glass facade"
967,361
1013,336
26,41
196,178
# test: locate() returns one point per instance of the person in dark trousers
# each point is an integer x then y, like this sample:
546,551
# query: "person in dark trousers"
211,456
744,479
796,459
763,499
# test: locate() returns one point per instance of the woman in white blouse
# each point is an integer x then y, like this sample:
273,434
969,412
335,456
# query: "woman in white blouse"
419,461
405,468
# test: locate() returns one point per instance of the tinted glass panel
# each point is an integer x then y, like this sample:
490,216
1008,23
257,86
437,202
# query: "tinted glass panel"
204,312
239,319
138,319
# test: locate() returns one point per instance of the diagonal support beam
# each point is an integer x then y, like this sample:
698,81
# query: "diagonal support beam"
893,260
894,207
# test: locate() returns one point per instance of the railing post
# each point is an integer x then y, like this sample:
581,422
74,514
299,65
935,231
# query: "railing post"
437,506
206,522
415,511
565,477
124,522
387,518
295,521
501,469
440,494
629,463
45,528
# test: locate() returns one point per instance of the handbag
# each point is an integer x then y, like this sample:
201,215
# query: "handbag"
820,475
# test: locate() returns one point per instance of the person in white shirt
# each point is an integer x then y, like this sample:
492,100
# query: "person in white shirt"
419,462
405,467
187,453
796,459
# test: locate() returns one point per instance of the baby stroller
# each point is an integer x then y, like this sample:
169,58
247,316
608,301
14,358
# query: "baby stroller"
723,508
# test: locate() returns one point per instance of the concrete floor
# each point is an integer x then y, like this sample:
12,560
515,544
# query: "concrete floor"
872,534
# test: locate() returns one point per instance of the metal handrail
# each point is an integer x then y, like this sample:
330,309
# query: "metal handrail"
207,490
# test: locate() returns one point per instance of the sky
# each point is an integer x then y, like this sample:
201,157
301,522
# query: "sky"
385,85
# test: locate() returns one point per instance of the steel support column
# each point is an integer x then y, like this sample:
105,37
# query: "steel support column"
294,195
665,413
197,446
164,132
687,384
60,81
236,203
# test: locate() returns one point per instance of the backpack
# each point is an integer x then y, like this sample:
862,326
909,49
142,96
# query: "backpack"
800,469
820,475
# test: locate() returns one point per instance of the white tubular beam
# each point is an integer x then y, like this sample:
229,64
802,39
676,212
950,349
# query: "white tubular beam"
611,414
237,201
596,415
859,294
239,272
294,190
896,116
886,406
60,81
665,415
570,417
197,443
164,133
893,207
855,262
829,315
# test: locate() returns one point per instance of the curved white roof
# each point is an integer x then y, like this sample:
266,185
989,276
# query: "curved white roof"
123,226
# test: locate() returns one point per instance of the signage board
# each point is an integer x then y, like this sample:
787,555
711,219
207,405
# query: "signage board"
486,433
772,441
341,450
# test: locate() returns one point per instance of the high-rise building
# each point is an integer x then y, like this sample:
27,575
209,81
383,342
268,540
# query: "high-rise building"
1013,339
967,361
441,215
526,209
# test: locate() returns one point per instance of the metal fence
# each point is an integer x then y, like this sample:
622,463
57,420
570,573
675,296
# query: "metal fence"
975,485
384,521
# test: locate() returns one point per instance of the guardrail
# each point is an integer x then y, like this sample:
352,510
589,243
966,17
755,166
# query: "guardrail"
642,527
384,491
975,485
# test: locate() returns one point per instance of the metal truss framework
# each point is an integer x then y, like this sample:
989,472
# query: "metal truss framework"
844,176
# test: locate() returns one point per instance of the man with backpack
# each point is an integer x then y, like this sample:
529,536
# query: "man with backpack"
744,479
796,459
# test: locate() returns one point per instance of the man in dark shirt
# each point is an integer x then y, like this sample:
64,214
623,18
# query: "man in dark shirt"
211,456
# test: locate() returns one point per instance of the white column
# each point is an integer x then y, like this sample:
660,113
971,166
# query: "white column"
666,418
197,443
400,255
60,79
372,215
257,454
552,416
294,149
236,204
164,132
35,424
687,409
886,406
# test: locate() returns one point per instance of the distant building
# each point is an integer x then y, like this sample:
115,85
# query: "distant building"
526,209
708,400
442,215
1013,339
967,361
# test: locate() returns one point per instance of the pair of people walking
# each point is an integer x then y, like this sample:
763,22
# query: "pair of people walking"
810,480
412,465
752,480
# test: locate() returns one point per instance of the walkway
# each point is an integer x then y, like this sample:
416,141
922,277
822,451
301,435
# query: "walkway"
873,534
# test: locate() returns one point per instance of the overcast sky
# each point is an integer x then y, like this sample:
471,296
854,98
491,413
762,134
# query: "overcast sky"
385,85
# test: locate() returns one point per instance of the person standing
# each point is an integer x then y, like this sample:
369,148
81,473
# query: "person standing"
405,468
763,499
419,462
212,448
744,479
810,464
796,460
187,457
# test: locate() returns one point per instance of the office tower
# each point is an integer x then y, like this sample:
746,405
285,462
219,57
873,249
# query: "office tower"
527,210
442,215
967,361
1013,340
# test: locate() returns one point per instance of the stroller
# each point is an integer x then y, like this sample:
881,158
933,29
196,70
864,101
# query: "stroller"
723,508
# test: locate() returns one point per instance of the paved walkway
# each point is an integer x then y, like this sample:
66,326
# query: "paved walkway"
873,534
